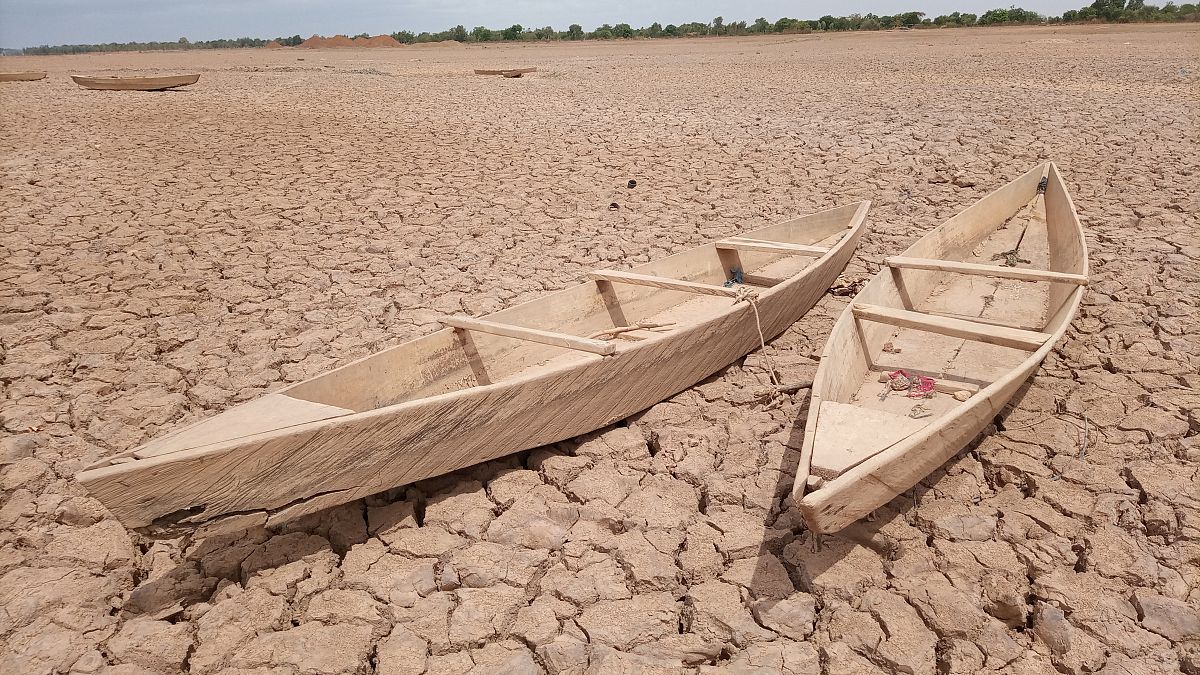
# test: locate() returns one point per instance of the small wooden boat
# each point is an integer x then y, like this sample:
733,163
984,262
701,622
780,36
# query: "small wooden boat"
27,76
135,83
538,373
936,344
511,72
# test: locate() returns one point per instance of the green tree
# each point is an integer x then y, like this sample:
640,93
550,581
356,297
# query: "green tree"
513,32
575,32
760,25
995,16
671,30
718,25
655,30
622,30
483,34
604,32
1109,10
459,33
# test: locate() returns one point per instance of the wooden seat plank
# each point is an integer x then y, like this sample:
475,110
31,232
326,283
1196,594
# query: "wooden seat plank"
663,282
531,334
999,271
967,330
747,244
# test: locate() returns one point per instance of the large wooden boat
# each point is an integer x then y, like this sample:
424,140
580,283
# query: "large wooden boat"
974,306
540,372
28,76
135,83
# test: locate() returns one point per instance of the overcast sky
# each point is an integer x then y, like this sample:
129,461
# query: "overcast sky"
25,23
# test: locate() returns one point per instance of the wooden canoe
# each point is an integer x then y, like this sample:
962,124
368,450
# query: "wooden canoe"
135,83
481,388
975,304
511,72
28,76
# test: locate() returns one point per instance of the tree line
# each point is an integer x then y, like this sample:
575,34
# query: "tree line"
1100,11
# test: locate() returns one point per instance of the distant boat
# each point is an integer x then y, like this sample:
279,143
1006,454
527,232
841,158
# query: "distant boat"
510,72
28,76
135,83
936,344
483,387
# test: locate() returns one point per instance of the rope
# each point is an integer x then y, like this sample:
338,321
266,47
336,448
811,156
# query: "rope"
747,294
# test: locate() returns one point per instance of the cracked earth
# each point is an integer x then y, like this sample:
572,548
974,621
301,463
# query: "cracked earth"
168,255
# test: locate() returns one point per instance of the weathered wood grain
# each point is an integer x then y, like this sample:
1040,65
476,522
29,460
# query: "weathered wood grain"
852,348
560,394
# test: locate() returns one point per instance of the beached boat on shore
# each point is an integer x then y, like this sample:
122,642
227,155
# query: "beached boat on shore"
547,370
508,72
933,347
27,76
135,83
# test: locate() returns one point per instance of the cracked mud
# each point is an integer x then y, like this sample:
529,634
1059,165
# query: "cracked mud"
168,255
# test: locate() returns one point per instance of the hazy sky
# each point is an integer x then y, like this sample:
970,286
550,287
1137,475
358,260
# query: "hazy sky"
25,23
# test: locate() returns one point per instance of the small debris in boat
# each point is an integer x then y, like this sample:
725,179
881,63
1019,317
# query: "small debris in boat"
962,395
916,386
631,184
890,348
918,411
1010,258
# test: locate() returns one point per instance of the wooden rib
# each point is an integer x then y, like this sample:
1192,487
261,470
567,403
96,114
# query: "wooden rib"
999,271
531,334
663,282
747,244
968,330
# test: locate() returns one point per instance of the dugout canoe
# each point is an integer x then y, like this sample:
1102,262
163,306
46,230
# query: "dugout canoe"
28,76
480,388
975,305
510,72
135,83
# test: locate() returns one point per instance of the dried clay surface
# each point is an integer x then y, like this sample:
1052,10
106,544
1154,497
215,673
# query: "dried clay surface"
168,255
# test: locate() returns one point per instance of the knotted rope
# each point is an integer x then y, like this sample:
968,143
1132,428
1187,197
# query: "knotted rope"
747,294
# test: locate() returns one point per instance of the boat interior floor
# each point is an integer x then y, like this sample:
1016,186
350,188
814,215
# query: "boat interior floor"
521,359
884,417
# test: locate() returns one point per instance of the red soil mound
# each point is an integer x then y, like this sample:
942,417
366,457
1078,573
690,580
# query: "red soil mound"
378,41
274,45
318,42
338,41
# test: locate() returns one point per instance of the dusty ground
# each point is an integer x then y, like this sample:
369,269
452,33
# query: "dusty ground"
165,255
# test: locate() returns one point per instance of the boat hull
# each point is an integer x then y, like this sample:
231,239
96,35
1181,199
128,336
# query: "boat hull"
873,483
135,83
338,460
30,76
